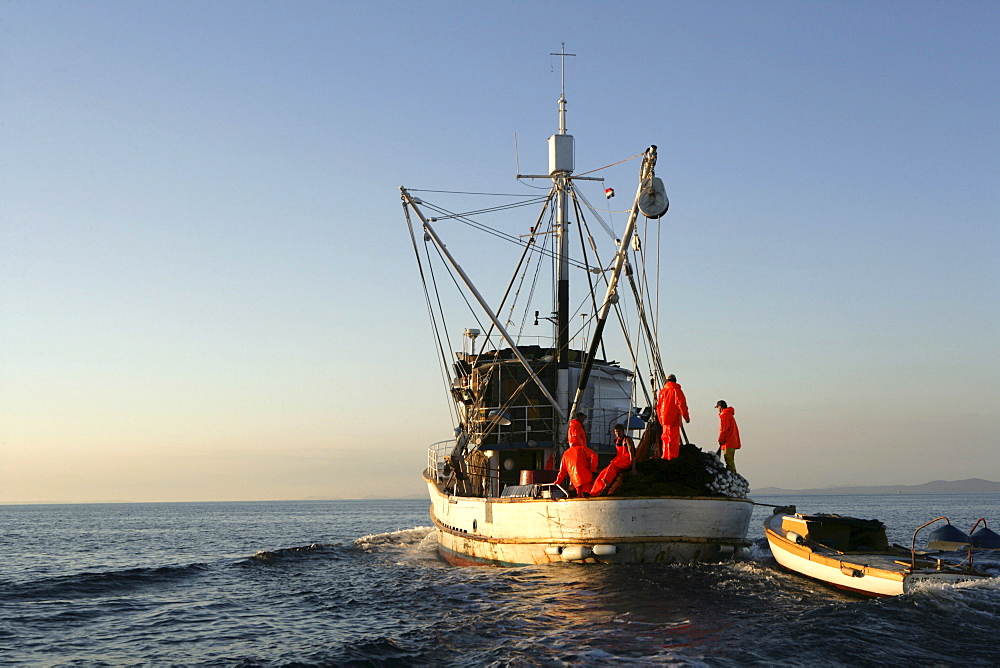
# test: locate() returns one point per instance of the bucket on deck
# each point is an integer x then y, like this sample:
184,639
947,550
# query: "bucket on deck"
537,477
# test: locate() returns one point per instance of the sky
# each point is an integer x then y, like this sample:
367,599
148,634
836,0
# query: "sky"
207,287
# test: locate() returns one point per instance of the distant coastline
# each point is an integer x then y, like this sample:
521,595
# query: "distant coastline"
969,486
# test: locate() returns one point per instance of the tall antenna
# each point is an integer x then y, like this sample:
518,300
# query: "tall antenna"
562,97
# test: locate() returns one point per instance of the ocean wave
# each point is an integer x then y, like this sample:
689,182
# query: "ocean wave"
286,554
93,584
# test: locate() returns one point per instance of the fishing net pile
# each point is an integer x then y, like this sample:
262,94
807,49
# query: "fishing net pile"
693,473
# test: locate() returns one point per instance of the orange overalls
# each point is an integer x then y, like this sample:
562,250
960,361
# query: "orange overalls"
670,408
621,462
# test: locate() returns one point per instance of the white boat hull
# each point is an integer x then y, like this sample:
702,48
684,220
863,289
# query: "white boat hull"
521,531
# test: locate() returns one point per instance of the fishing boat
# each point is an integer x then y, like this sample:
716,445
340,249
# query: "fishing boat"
491,486
855,555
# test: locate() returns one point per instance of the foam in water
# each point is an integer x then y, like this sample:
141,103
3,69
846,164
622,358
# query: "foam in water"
400,538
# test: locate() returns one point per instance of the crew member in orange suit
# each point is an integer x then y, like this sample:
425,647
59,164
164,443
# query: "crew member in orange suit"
670,408
579,462
729,434
625,459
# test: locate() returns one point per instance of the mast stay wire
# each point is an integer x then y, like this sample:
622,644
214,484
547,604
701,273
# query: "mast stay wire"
597,214
633,349
524,261
581,222
494,232
463,192
534,281
435,329
654,361
451,275
493,209
638,155
656,283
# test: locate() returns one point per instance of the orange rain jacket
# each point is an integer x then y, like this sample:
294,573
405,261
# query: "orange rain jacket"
579,463
672,405
729,433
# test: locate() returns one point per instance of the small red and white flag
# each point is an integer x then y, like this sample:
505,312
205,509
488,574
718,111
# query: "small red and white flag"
609,192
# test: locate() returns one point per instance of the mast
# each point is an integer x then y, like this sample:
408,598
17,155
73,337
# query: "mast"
561,165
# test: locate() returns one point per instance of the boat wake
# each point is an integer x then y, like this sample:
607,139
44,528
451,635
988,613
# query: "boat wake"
315,550
416,544
958,591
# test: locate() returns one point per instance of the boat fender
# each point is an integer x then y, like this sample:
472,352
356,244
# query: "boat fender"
852,572
725,549
605,550
795,538
575,552
553,550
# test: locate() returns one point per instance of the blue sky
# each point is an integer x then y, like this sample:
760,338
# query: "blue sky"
207,290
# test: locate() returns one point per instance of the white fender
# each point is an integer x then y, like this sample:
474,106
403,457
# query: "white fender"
575,552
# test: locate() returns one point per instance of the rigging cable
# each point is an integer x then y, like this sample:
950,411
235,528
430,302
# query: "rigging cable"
488,230
494,209
597,214
639,155
656,320
435,330
643,288
622,319
528,245
580,224
451,274
654,362
460,192
534,281
520,263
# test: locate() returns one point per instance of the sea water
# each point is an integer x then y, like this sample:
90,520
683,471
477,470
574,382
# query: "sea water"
359,583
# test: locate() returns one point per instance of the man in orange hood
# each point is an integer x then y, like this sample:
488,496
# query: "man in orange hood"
670,408
579,462
729,434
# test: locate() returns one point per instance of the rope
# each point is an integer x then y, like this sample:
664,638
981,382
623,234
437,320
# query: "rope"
787,507
496,233
535,200
435,331
612,164
581,223
459,192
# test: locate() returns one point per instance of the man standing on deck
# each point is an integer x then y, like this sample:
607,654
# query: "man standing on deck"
579,462
729,434
670,408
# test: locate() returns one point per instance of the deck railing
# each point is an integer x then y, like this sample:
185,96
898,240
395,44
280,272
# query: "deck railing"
436,453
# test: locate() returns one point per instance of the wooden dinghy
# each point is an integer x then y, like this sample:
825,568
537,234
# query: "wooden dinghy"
854,555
